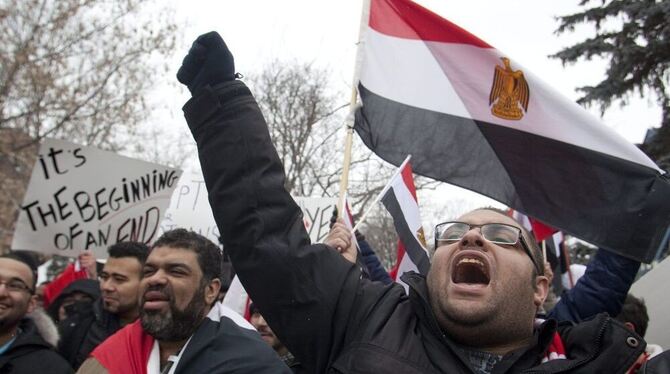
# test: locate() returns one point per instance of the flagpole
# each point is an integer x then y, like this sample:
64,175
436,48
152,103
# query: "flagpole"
349,122
383,191
566,256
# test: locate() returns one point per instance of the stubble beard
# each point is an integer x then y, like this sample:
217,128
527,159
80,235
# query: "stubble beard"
7,325
10,322
175,324
502,318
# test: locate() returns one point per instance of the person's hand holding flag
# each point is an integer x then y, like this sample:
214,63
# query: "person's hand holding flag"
340,238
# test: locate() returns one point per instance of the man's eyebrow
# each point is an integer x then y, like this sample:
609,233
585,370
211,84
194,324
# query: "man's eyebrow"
180,265
14,279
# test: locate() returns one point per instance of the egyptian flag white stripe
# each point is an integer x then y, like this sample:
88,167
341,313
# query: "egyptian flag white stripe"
425,85
349,221
557,240
523,220
399,198
404,264
236,298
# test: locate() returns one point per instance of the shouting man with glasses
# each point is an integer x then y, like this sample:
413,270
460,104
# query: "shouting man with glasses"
474,313
22,348
486,284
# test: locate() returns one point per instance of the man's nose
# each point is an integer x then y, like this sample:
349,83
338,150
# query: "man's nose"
473,238
3,289
157,278
261,321
106,285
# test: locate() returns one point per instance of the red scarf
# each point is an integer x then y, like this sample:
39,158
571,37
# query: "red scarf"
556,349
127,351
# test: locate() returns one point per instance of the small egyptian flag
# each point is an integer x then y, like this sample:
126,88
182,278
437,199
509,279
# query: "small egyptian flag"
539,229
399,198
472,116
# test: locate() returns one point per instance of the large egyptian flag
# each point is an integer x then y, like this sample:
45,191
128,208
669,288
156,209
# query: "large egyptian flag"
472,116
399,198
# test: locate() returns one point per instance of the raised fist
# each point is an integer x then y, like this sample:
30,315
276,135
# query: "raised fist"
208,62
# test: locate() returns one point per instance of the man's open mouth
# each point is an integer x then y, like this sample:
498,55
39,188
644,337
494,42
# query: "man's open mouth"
470,270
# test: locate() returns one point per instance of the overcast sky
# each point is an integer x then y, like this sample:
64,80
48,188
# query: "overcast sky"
326,32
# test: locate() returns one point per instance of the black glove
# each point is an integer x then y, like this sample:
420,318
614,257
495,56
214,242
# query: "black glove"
208,62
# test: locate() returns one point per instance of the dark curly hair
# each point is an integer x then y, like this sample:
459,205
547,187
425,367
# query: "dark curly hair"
129,249
634,310
208,253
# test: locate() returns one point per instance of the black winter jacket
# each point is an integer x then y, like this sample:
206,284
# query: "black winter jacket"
87,326
316,302
30,354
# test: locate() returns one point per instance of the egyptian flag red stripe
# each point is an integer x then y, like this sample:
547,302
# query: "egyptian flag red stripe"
431,89
127,351
399,198
539,229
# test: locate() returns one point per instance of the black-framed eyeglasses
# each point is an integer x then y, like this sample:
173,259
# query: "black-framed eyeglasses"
497,233
16,285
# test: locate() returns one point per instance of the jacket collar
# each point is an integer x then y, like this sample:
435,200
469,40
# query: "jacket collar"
104,318
28,341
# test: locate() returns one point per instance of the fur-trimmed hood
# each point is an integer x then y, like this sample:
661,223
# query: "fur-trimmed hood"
45,326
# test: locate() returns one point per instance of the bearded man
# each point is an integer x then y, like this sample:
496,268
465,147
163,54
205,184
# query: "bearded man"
182,327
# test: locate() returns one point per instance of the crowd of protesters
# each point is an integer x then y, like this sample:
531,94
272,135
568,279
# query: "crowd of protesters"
317,308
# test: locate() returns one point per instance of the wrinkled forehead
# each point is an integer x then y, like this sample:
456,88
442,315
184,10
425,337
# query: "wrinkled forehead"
171,256
482,216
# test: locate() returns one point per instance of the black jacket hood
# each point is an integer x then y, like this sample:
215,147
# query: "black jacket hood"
89,287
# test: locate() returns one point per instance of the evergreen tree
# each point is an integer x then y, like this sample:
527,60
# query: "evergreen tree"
634,37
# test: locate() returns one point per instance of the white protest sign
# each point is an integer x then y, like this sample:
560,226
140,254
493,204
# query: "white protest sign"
86,198
189,209
316,213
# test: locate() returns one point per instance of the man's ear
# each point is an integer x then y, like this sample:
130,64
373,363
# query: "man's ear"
212,291
541,290
630,326
32,303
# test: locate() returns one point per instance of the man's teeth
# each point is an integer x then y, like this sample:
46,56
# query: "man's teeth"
471,261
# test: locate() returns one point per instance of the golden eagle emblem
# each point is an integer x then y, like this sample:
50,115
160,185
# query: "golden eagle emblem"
422,237
509,93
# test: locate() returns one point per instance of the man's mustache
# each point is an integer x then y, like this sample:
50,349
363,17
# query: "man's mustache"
163,290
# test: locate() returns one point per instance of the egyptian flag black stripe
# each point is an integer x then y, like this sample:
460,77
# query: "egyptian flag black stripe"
428,95
412,247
